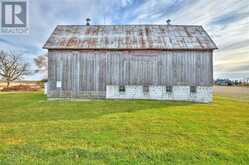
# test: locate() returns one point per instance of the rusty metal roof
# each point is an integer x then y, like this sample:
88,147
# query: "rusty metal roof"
129,37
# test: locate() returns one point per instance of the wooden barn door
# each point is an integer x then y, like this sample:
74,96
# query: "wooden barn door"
91,81
143,70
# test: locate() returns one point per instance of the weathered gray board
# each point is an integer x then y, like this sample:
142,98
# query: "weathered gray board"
86,73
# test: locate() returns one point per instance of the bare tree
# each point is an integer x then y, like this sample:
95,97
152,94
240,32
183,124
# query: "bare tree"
12,67
42,64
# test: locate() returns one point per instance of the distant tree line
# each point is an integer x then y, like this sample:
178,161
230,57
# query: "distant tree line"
228,82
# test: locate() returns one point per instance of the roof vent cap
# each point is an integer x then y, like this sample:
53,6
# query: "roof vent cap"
88,21
168,22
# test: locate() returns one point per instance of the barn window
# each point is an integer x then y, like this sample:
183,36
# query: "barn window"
193,89
58,84
146,89
121,88
169,89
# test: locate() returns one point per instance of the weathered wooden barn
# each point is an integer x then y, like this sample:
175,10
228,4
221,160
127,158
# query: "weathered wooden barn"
166,62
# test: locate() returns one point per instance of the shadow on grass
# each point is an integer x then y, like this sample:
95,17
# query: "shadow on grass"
36,108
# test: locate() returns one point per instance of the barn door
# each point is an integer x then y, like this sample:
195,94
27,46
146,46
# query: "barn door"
143,70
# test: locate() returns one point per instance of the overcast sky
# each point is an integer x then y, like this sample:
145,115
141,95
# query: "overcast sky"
227,22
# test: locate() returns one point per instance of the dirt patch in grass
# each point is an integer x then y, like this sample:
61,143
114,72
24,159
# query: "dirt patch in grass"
237,92
22,88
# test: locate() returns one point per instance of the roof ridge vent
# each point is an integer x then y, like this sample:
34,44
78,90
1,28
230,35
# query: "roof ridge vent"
88,20
168,21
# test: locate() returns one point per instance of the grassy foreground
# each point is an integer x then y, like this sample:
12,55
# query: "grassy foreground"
36,131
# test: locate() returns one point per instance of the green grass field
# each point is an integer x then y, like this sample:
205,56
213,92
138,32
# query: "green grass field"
36,131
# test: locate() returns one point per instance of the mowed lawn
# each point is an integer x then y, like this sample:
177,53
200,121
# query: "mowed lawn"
36,131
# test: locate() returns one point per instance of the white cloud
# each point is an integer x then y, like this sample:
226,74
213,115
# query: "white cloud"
125,3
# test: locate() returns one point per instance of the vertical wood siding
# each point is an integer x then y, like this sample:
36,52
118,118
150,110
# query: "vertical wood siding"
86,73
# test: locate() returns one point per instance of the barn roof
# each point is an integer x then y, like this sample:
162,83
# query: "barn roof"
129,37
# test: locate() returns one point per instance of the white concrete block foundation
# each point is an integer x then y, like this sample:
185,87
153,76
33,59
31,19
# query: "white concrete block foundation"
182,93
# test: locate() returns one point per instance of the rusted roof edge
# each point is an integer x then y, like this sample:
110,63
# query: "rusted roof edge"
178,25
114,49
